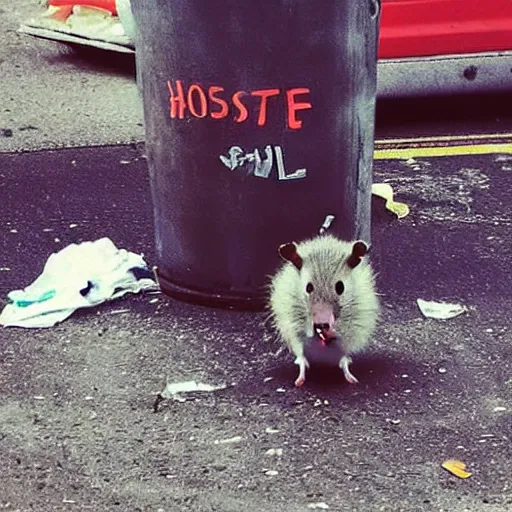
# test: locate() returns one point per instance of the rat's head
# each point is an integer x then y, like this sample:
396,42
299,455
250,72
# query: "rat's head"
325,272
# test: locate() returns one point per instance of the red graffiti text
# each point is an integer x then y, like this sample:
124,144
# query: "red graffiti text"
214,102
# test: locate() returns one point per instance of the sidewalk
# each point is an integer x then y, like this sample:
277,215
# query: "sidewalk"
54,95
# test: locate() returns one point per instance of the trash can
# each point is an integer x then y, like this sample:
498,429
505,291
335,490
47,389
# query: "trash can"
259,121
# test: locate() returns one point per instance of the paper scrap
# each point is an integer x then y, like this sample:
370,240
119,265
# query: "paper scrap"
231,440
318,506
385,191
456,467
175,388
440,310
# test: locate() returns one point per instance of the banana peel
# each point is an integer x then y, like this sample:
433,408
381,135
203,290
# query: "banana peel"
456,467
385,191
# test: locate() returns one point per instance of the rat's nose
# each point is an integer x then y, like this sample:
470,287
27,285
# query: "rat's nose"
321,327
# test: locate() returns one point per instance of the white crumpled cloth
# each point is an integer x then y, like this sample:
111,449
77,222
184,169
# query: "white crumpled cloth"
79,276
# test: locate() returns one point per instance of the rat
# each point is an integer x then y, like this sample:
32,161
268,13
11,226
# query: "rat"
323,302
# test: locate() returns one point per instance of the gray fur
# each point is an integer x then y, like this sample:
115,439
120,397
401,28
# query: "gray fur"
324,263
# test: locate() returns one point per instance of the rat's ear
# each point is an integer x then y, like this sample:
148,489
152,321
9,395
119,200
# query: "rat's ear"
289,253
359,250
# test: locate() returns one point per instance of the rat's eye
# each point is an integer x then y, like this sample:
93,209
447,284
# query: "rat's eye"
309,288
339,287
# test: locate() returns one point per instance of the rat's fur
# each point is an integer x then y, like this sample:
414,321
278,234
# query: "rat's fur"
323,261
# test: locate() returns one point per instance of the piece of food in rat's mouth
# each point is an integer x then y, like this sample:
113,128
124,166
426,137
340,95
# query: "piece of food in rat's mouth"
325,335
321,334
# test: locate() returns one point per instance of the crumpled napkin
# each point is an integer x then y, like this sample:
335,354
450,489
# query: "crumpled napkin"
79,276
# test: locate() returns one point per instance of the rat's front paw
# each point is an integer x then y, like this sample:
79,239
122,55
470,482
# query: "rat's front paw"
302,364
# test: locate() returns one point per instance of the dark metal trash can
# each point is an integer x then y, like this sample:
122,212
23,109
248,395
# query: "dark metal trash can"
259,123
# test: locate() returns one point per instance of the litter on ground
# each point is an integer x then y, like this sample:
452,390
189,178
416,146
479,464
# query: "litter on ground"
79,276
440,310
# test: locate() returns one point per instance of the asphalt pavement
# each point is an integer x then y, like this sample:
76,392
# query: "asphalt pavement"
77,427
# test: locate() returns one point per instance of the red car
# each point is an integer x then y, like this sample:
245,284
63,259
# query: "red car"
437,46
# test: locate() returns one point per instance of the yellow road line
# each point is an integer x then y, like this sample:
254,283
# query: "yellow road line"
413,152
446,138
